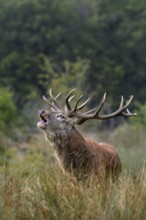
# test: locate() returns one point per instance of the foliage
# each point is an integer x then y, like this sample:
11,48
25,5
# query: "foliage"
8,119
7,109
107,34
141,115
72,76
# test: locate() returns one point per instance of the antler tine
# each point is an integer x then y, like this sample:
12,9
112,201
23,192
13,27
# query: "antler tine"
122,102
128,113
92,110
53,106
122,107
129,101
58,95
70,93
101,104
82,106
75,108
67,104
54,98
71,98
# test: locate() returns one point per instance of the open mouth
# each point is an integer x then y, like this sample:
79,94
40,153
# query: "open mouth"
44,119
43,116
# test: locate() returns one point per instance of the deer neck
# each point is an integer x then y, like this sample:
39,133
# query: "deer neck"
66,140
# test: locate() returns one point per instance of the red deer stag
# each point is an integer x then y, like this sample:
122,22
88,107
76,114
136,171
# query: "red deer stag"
83,157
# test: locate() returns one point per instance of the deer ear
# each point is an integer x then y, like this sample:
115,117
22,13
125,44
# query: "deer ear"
73,120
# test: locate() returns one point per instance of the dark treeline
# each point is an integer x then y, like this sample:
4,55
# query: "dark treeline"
94,45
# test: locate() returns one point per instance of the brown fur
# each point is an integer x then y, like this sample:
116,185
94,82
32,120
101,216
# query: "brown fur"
85,157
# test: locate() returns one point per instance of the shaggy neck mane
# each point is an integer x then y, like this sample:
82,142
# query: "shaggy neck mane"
67,140
73,148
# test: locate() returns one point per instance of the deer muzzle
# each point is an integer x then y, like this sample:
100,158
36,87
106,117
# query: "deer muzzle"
43,119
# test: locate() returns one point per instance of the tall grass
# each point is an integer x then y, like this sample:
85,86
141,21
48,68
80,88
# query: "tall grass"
49,194
34,187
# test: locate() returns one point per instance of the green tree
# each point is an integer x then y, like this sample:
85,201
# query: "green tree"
119,52
110,35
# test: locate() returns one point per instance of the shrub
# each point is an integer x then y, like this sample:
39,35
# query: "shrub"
7,109
141,116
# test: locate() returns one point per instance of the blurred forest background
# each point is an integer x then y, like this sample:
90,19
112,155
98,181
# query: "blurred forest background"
95,46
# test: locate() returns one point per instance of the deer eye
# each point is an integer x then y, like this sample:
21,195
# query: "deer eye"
61,116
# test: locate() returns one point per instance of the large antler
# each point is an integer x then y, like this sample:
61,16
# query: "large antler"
82,117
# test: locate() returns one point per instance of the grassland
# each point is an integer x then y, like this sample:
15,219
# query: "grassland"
33,187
